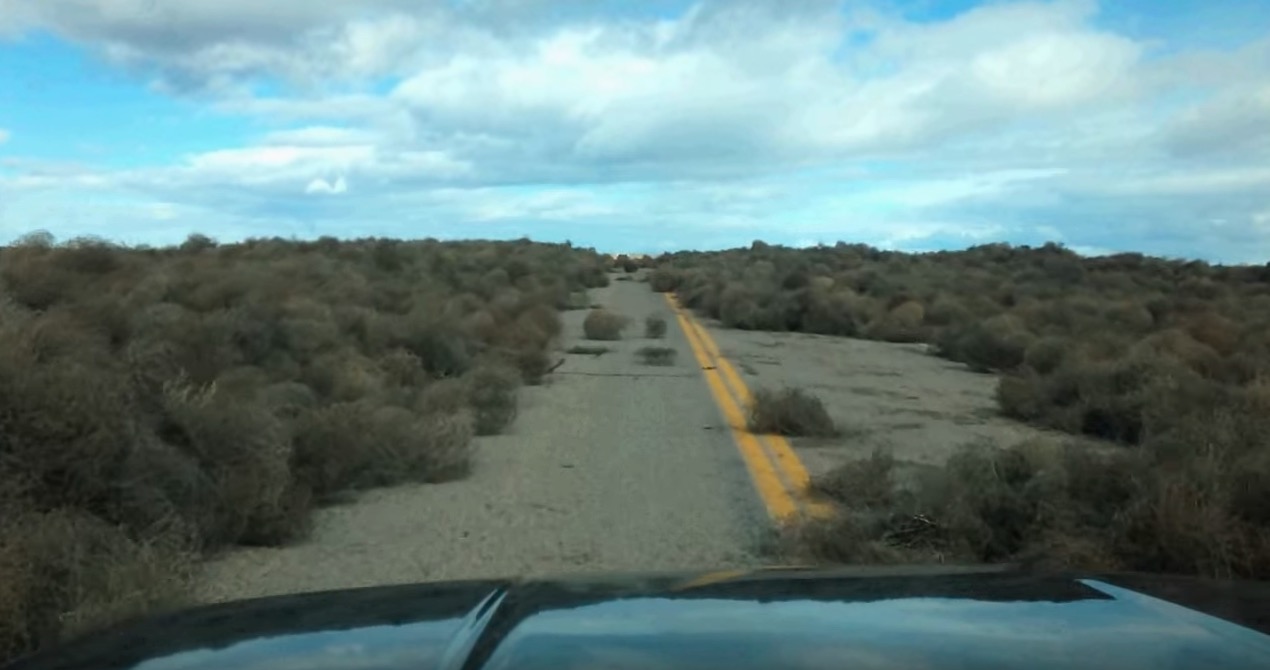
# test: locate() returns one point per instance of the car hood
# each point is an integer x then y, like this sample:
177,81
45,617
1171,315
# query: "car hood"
771,618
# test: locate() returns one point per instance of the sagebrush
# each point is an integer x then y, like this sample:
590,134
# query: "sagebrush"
603,324
1167,358
157,403
790,411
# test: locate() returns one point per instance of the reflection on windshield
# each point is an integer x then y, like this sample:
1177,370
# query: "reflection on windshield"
901,633
413,645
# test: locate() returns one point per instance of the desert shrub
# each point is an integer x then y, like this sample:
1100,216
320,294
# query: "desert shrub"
402,368
832,313
246,453
332,447
1022,395
789,411
998,343
576,300
208,395
901,324
1128,316
626,264
1064,506
588,350
866,483
738,308
410,447
447,396
66,572
947,310
603,324
657,355
1177,344
1220,333
664,280
987,504
344,376
491,393
1166,357
442,348
655,326
1046,354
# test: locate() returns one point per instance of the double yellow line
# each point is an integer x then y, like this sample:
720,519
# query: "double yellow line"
777,473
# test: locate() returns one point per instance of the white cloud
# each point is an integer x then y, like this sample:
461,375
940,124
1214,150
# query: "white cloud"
4,136
1189,183
1236,122
804,119
322,186
320,136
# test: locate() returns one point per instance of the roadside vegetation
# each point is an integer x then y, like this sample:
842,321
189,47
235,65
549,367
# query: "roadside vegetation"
654,326
160,404
1167,362
603,324
789,411
658,356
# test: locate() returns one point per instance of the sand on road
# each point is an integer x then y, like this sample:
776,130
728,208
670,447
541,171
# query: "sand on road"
611,466
895,397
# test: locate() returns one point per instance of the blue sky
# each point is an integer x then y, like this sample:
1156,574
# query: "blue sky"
908,124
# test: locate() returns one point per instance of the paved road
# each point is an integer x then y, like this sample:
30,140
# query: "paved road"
614,466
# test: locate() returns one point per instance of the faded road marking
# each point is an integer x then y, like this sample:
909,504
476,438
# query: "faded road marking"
780,505
778,474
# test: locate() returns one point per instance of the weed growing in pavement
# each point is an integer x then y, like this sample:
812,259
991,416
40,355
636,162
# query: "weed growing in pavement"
603,324
790,411
588,350
655,326
657,355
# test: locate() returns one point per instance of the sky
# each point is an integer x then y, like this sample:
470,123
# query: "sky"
1126,125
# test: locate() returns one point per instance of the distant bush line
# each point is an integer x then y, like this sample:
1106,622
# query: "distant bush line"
159,403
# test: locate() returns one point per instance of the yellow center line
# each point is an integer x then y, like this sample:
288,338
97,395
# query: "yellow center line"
791,468
779,503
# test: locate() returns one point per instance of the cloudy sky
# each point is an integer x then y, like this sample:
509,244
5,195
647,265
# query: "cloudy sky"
643,126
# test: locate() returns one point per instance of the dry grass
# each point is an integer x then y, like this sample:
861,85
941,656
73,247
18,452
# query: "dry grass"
588,350
660,356
491,394
1050,505
160,403
603,324
1166,358
790,411
654,327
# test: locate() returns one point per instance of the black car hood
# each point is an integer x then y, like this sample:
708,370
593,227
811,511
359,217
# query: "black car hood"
774,618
